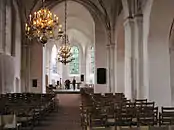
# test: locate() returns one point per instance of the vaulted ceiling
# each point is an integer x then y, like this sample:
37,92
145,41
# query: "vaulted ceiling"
107,10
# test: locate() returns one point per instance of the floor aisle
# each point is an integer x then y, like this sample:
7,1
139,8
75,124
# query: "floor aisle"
68,116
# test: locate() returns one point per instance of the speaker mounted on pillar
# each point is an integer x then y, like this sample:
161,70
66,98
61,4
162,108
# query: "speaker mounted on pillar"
101,75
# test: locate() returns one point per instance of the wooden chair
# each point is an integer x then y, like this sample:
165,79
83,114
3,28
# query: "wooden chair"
147,116
166,116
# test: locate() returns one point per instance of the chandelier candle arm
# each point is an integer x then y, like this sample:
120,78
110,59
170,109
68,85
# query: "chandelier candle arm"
41,25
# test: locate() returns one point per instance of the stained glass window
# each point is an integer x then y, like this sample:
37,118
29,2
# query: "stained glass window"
92,60
53,59
74,65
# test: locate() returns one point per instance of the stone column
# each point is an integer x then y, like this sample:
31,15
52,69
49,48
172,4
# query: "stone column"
83,65
2,25
2,41
44,70
27,68
8,27
139,55
24,68
108,69
129,58
112,67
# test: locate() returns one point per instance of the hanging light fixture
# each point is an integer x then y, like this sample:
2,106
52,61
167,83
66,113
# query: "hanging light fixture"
64,53
41,25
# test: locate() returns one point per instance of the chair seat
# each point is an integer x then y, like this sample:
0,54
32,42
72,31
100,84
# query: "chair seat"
12,126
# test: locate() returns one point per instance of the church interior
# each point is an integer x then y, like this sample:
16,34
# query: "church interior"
86,64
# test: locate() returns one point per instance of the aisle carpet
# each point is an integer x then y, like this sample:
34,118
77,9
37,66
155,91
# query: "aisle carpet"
67,117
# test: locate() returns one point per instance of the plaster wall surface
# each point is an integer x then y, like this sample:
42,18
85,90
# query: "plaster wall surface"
119,61
10,65
36,67
17,55
7,73
158,51
1,25
8,28
100,57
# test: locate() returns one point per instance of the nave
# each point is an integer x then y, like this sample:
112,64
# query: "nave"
29,111
84,111
67,117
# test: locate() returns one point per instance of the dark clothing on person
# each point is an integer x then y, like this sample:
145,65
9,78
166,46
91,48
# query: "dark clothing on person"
74,84
67,84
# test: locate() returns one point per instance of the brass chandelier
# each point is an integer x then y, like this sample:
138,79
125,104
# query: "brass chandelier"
41,25
64,54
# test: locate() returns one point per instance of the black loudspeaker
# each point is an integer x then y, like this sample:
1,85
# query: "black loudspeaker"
82,77
101,76
34,82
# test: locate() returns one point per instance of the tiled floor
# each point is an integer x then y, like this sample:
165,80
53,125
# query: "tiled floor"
68,116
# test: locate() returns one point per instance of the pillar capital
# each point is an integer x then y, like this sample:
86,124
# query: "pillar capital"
112,45
107,46
128,21
138,19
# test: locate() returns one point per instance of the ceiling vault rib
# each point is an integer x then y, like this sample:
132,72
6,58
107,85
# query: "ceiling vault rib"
91,7
107,19
96,8
107,22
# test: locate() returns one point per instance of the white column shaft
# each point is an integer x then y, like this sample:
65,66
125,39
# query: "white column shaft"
44,70
139,55
109,69
129,49
83,65
112,67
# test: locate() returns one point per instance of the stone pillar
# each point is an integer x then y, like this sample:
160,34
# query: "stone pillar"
2,25
36,66
108,69
23,68
8,27
2,80
129,58
44,70
2,41
100,56
27,60
112,67
139,55
83,65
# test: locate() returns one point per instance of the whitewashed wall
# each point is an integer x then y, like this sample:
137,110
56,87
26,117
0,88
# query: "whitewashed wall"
119,61
36,63
158,51
100,56
10,64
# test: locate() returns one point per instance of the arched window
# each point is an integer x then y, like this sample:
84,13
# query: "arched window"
92,60
74,65
53,59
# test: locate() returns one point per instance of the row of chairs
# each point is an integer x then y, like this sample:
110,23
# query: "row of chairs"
113,110
25,109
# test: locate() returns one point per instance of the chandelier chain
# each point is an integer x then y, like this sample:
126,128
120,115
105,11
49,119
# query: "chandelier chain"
65,20
43,1
65,55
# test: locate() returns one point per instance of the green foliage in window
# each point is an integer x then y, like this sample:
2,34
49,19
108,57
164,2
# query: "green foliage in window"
74,65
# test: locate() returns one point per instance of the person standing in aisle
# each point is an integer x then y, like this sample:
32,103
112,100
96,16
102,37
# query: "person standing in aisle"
74,83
